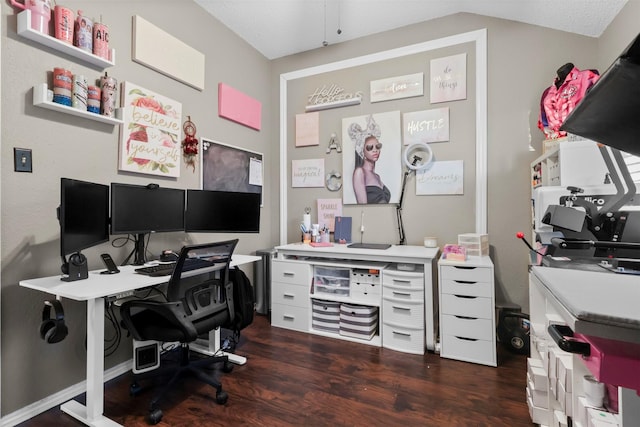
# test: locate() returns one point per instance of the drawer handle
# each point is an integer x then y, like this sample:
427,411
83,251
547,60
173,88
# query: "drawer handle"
288,295
402,294
288,317
401,281
563,336
395,307
404,334
464,267
287,274
465,296
466,339
465,282
466,317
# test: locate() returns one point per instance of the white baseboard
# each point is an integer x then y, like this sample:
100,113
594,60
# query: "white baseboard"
36,408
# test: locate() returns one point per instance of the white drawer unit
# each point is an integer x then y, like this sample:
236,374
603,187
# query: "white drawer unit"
290,303
403,310
467,310
358,295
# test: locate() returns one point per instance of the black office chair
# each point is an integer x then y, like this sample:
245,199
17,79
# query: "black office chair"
199,300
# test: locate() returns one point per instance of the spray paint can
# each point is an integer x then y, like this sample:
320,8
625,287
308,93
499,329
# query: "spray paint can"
84,33
101,40
93,99
62,84
108,86
63,21
79,92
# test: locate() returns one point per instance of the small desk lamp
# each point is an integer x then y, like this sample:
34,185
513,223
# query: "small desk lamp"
417,156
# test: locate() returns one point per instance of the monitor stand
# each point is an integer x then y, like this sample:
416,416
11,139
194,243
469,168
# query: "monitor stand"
138,252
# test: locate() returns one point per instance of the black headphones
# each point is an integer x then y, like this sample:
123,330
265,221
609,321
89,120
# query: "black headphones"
53,330
76,260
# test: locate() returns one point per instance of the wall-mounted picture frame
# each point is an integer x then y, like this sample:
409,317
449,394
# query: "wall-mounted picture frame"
229,168
425,126
371,159
307,173
398,87
443,177
449,78
151,134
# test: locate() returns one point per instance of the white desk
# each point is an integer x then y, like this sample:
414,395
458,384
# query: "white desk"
94,290
395,254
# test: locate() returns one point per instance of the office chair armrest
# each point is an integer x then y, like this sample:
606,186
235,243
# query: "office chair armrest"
172,311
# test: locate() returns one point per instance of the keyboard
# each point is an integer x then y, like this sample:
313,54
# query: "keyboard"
167,269
156,270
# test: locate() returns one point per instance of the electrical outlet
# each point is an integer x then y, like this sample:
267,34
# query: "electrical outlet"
22,160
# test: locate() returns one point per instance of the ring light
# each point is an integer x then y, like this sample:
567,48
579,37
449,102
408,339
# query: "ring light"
412,158
414,161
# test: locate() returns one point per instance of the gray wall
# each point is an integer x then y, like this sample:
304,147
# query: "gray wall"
67,146
522,62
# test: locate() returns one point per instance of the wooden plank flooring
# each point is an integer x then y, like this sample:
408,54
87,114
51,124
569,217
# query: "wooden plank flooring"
297,379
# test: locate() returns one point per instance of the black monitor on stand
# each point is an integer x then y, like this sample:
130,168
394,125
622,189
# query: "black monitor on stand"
143,209
84,222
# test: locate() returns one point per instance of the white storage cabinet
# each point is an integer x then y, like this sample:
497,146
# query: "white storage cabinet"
290,303
467,310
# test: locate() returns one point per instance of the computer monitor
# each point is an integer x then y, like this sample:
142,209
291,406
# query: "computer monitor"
609,111
84,222
211,211
143,209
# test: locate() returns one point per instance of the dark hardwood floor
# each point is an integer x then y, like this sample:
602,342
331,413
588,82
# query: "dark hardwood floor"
297,379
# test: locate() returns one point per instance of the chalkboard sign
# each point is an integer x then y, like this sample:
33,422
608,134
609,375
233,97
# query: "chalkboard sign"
229,168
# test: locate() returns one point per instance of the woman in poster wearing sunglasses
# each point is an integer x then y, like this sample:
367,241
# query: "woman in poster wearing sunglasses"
367,185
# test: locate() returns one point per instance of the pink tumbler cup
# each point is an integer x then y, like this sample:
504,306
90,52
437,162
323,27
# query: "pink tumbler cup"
40,13
63,22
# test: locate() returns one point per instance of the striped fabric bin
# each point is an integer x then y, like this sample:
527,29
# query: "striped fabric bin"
325,315
358,321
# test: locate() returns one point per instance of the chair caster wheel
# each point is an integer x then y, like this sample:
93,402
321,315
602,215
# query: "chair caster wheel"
134,389
221,397
155,416
227,367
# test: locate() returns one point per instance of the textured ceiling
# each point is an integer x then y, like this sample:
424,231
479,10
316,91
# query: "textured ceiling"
279,28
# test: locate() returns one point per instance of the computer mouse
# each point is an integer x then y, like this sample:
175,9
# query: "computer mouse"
168,256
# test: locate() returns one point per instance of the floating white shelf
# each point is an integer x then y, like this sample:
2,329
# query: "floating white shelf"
40,100
25,30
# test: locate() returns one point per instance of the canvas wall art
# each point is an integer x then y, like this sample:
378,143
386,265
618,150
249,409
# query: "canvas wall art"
371,162
151,134
449,78
425,126
442,177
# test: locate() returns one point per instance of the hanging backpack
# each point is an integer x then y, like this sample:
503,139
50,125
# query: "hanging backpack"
243,299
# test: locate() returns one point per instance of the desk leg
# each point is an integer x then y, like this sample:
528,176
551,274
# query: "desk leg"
211,346
91,414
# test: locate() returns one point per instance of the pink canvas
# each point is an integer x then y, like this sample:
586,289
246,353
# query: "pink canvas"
238,107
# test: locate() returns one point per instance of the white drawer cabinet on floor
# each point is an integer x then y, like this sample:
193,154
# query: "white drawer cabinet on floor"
467,310
290,304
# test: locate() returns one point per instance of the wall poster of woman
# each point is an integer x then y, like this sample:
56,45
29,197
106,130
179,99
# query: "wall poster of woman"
371,162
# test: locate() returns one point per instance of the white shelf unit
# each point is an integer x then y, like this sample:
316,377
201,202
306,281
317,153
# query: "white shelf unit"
571,163
40,99
25,30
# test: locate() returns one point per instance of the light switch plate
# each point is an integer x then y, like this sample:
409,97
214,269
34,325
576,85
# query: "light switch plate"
22,160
